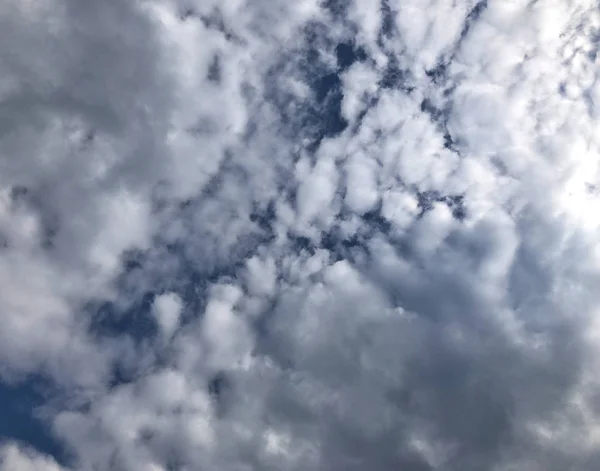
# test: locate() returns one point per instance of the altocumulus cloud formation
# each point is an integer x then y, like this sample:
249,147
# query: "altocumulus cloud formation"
315,235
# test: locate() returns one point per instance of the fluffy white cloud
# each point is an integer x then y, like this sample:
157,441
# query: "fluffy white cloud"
312,235
167,309
15,458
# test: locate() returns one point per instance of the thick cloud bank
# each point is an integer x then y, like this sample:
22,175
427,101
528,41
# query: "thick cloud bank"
316,235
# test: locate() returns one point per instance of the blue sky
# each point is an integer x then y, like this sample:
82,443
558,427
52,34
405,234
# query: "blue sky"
313,235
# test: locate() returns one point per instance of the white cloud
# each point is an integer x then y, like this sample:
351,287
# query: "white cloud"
360,85
316,192
167,309
429,29
416,291
15,458
399,207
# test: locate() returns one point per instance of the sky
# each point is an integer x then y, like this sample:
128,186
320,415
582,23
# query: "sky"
320,235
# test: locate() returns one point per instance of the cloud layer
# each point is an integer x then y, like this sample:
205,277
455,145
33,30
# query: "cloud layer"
315,235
